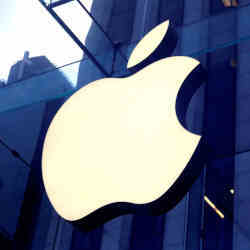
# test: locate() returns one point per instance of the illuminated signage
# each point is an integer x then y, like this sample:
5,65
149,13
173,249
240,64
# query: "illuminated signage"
116,146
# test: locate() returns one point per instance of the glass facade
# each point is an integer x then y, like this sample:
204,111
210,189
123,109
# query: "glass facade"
214,213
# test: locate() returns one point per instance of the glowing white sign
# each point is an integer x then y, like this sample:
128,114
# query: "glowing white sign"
119,139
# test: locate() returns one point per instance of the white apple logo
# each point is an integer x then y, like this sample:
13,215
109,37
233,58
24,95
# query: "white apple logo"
118,140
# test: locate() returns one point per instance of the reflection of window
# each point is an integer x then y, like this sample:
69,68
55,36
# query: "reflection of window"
213,206
218,217
230,3
171,11
2,83
121,23
73,15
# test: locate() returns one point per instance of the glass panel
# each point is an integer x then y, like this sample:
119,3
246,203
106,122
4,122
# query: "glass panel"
55,1
23,104
50,85
28,26
195,45
75,18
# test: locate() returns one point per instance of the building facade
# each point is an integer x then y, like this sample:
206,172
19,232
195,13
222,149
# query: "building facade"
219,110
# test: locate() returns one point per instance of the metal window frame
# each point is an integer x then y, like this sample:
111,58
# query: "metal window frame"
59,20
50,8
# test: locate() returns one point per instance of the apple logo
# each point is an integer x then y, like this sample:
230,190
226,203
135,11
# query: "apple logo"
120,145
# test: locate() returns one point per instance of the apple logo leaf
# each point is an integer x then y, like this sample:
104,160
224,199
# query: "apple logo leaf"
158,43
